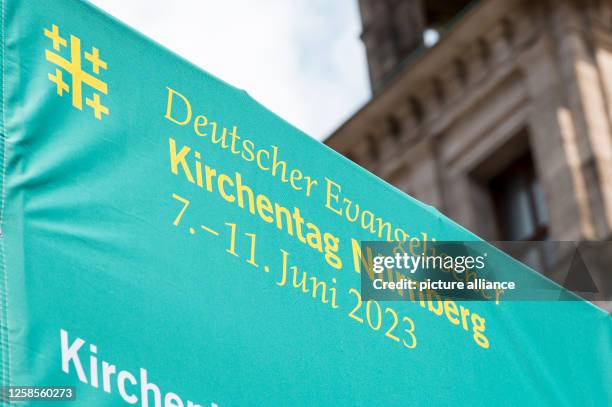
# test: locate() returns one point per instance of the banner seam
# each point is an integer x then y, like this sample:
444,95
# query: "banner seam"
4,343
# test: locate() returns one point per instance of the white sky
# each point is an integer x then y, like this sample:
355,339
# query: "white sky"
302,59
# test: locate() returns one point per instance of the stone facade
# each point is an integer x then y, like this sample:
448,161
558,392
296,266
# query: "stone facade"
508,78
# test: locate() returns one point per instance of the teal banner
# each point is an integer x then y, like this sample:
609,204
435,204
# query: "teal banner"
168,241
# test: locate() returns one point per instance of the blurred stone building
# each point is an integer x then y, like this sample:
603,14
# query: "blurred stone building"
504,124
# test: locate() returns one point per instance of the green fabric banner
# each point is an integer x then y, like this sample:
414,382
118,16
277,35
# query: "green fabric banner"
168,241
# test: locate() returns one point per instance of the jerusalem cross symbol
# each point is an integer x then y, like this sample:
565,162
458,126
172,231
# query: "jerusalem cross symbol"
74,67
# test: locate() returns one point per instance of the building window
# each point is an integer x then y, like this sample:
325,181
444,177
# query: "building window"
522,214
519,202
395,128
416,109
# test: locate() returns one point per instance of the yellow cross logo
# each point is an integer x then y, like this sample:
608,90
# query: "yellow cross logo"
78,75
